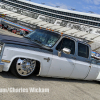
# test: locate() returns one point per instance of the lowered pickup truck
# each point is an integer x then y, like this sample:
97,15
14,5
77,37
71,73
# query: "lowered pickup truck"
48,53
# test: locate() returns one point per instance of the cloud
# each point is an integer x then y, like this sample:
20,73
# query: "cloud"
60,5
96,2
89,1
91,7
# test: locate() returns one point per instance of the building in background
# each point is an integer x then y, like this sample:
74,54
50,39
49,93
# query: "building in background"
67,18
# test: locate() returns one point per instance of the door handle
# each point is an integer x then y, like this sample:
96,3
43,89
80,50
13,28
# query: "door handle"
47,59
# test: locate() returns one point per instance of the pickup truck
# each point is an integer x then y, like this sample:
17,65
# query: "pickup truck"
50,54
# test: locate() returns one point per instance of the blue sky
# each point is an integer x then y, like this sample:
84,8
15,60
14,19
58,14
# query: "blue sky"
79,5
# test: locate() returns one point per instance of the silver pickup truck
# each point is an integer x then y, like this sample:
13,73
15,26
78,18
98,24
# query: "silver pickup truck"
48,53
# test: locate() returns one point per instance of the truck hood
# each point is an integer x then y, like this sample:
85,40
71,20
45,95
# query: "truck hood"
21,41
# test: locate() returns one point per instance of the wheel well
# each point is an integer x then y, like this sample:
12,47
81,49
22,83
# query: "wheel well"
37,69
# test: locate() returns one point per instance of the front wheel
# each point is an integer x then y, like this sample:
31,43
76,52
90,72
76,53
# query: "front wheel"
22,67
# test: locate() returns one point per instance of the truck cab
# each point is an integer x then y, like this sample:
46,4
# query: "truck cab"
73,53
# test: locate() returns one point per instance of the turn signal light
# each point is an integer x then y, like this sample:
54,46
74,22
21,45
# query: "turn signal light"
7,61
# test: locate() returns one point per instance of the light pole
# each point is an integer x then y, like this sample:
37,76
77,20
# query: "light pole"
73,9
91,12
43,3
57,6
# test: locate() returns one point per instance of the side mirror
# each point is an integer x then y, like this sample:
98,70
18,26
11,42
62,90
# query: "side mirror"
66,51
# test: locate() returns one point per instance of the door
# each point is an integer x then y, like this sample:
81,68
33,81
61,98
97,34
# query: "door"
82,63
64,65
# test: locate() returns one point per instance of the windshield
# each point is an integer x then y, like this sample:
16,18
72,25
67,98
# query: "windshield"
43,37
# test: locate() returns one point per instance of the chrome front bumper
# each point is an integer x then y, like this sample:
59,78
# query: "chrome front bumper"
1,67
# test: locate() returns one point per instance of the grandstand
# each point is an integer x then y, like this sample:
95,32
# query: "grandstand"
72,19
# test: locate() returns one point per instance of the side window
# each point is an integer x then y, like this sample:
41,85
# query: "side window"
83,50
66,43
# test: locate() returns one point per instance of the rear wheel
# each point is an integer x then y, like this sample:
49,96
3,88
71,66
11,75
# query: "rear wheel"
22,67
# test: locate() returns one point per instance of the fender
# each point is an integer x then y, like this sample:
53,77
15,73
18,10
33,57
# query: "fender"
8,65
11,53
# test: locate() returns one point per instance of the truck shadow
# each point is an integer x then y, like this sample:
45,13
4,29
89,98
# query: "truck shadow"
39,78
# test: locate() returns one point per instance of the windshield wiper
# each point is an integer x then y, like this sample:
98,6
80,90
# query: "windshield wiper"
37,41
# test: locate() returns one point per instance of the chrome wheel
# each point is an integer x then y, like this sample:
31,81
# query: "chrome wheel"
25,67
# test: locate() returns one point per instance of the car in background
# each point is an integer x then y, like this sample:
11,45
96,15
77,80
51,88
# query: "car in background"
24,32
0,25
11,28
4,26
14,30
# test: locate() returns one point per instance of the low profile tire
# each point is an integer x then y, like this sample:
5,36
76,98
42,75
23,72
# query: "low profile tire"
23,67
